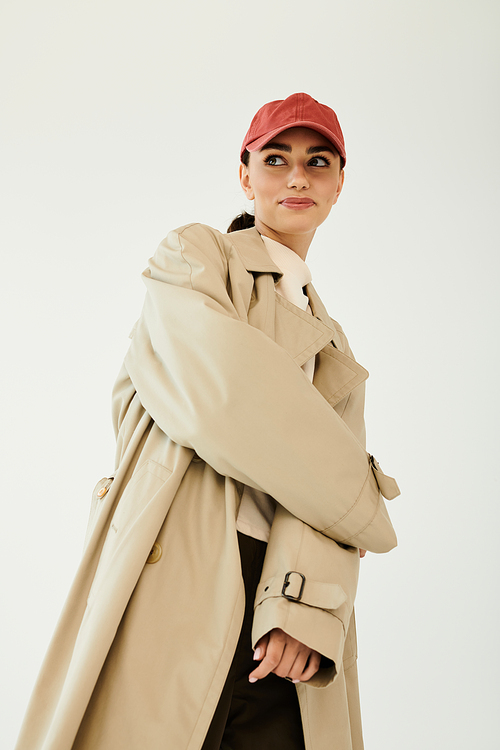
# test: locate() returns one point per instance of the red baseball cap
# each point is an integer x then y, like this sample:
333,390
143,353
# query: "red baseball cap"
298,110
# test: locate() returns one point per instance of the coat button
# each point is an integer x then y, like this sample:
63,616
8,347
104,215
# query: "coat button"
155,553
102,491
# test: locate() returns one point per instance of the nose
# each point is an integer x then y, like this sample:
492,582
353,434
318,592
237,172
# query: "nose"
298,178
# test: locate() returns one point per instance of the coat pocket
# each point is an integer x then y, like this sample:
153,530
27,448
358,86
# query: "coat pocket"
143,486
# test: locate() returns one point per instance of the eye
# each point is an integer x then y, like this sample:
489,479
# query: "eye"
274,160
319,161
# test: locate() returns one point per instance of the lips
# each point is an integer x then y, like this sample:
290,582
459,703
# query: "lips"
297,203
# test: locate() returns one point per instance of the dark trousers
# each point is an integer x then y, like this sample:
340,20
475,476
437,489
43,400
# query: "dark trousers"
264,714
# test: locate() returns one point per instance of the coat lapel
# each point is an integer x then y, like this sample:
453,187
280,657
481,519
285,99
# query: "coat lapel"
301,334
336,373
319,311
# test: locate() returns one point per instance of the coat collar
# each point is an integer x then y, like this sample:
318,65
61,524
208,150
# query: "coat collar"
302,335
255,258
253,253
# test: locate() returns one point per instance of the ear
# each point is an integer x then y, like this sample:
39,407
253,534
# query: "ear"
245,182
339,186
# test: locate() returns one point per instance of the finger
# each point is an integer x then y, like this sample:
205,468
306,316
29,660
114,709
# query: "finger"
267,665
362,552
274,652
311,667
298,666
261,647
287,660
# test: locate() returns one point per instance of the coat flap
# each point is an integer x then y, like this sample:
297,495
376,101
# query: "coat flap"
314,593
336,374
319,311
298,332
387,485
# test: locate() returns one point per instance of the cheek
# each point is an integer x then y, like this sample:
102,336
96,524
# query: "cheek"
332,193
263,195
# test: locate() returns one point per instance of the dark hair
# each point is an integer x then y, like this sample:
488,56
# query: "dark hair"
244,220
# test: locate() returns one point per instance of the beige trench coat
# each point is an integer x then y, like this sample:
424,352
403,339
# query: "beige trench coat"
212,397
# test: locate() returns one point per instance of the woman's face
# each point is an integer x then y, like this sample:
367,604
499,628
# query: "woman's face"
294,180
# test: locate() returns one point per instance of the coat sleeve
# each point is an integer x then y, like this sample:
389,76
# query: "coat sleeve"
217,385
307,588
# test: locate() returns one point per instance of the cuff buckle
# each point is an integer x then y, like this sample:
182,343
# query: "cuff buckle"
287,582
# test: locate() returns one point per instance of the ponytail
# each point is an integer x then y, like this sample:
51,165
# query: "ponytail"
244,220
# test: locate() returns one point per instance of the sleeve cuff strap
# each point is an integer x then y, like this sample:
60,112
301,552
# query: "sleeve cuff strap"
387,485
294,586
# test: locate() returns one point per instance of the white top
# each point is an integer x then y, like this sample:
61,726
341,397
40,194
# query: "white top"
257,508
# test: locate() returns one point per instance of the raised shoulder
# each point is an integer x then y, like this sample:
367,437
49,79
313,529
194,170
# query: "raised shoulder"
198,257
200,233
207,243
187,252
198,230
199,238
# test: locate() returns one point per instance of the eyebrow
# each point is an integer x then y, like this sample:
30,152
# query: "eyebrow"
274,145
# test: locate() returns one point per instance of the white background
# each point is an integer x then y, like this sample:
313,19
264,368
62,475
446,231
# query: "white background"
122,120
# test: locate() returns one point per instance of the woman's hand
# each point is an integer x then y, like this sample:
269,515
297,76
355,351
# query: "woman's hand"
278,652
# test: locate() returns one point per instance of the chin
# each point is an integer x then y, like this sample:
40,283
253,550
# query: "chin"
298,227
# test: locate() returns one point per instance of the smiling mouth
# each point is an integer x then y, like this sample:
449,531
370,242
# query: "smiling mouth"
297,203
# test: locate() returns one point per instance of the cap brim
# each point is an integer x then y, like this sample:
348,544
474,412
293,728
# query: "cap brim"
260,142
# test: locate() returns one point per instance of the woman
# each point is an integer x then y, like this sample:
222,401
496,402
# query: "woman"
214,603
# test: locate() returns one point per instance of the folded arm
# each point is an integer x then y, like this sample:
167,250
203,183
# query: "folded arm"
217,385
